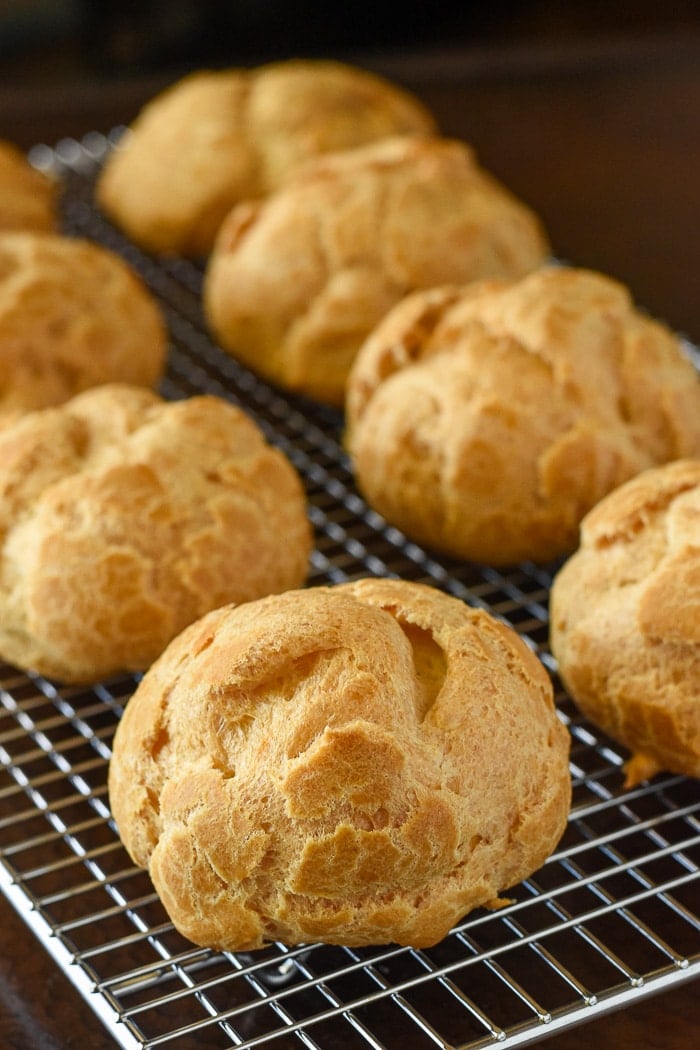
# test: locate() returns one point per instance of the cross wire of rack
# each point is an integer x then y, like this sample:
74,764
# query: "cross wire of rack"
609,918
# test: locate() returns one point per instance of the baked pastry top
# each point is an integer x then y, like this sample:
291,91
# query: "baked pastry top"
625,619
355,764
124,517
72,315
218,137
28,198
297,282
486,420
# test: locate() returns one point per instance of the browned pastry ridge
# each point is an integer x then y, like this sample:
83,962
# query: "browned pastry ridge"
72,315
216,138
485,421
625,619
28,198
297,282
123,518
355,764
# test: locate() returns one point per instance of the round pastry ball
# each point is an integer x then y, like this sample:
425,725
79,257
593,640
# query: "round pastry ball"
123,518
295,284
72,315
485,421
28,198
219,137
625,619
357,764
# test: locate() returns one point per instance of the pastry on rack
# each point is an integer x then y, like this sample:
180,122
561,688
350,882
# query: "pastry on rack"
72,315
219,137
485,421
124,517
356,764
296,282
625,619
28,197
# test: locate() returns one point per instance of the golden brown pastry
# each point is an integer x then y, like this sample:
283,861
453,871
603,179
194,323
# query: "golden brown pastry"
72,315
216,138
123,518
297,282
625,619
355,764
28,198
486,421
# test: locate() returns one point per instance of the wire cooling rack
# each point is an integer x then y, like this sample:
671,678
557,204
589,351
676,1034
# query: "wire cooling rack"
612,916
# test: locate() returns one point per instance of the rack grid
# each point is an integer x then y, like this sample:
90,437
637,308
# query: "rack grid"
612,916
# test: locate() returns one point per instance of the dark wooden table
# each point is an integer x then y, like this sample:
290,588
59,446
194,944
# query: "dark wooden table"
603,140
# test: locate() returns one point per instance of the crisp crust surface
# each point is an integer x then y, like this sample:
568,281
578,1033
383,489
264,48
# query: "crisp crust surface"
123,518
72,315
296,283
216,138
486,421
355,764
625,619
28,198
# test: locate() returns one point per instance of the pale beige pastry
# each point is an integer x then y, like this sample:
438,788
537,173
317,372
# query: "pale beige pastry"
72,315
218,137
625,619
28,198
485,421
296,283
356,764
124,517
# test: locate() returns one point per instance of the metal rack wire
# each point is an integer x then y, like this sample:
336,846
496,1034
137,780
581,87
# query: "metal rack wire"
613,915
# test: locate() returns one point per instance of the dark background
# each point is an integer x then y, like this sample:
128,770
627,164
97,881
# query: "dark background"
49,40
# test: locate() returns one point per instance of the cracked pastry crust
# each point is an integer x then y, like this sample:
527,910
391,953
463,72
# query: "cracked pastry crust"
28,198
485,421
123,518
356,764
216,138
625,619
297,282
72,315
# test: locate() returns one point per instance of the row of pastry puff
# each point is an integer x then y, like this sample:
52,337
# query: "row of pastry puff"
123,517
321,195
491,400
357,764
219,137
364,763
349,277
73,314
313,765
